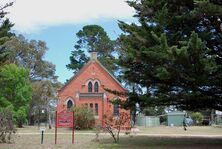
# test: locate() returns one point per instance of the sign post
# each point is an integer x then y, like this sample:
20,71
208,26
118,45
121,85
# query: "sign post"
42,133
56,128
73,129
64,119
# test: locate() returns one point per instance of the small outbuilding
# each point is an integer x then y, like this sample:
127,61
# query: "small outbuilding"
218,118
147,121
175,118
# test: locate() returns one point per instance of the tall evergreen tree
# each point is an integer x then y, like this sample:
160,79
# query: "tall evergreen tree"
5,27
93,38
174,53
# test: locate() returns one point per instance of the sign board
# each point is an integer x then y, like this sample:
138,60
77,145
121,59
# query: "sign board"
65,119
42,129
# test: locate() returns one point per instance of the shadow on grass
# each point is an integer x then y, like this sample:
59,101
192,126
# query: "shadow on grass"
143,142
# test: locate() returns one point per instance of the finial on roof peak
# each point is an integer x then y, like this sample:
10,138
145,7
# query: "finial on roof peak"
93,55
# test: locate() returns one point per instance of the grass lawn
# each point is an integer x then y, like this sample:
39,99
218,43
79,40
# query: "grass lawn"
193,130
144,142
157,137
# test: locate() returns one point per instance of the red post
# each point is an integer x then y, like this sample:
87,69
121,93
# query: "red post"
102,112
56,127
73,127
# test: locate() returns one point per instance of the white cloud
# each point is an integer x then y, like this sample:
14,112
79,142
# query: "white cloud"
33,15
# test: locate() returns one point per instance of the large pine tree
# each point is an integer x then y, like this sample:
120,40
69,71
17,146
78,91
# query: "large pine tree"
5,27
93,38
174,52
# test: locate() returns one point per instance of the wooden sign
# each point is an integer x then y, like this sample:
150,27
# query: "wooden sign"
65,119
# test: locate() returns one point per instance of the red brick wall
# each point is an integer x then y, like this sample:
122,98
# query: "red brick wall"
91,71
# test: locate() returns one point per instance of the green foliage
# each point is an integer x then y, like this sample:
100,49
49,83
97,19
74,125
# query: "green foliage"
93,38
15,49
77,60
6,125
154,111
5,34
197,117
43,91
29,54
15,90
84,117
174,54
21,116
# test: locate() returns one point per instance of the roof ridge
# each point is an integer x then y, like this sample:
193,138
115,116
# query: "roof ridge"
85,66
110,74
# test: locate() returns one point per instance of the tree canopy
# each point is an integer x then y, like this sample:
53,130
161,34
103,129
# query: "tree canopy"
15,90
93,38
29,54
5,26
174,53
20,56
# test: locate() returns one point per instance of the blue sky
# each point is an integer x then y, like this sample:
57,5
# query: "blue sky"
61,39
56,22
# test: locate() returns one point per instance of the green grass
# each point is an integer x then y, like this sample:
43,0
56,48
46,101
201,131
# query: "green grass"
143,142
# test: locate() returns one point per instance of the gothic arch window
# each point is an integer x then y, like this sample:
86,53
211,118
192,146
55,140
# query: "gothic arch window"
96,87
69,103
90,87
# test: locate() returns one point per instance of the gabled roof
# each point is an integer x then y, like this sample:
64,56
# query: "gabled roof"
85,66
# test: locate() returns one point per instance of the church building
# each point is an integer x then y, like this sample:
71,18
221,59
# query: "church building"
87,87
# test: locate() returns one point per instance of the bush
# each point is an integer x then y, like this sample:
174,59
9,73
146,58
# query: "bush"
113,124
6,125
197,117
21,116
83,117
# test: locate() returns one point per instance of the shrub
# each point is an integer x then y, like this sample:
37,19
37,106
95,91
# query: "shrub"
113,124
21,116
6,125
83,117
197,117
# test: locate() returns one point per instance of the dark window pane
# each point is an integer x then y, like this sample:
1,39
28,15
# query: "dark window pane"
96,87
91,105
69,104
96,109
116,110
90,87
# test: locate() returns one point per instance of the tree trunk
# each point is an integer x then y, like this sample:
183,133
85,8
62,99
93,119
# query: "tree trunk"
212,116
50,120
19,124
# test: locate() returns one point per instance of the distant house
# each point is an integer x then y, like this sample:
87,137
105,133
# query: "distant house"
87,88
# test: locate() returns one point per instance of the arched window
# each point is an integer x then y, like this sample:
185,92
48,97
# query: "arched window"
96,87
69,104
90,87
